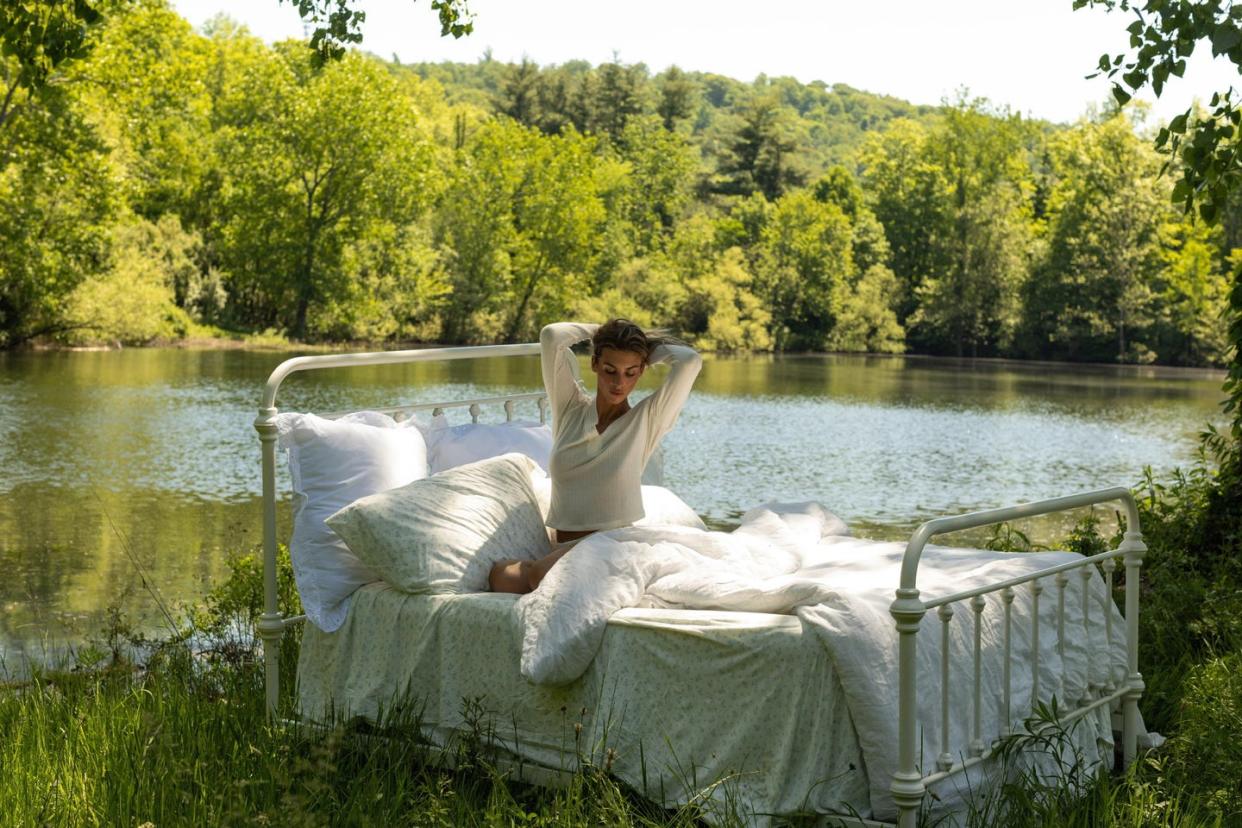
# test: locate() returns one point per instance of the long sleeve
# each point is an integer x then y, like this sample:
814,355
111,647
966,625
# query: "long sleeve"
560,366
666,402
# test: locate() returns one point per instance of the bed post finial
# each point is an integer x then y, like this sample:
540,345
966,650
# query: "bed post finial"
907,787
270,626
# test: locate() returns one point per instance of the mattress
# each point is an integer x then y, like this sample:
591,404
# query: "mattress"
740,711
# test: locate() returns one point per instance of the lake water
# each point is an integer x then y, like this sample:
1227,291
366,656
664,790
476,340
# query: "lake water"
122,464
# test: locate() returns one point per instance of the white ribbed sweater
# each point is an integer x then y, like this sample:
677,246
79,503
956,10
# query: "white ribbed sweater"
596,477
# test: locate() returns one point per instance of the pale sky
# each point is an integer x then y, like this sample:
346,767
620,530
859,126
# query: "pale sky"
1030,55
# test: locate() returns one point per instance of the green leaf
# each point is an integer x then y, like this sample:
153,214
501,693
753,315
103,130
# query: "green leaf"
1121,95
1224,38
1178,124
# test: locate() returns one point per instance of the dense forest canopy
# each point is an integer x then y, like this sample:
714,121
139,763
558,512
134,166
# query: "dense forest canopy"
157,182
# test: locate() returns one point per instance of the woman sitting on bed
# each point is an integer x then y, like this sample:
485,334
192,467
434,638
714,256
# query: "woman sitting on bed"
600,444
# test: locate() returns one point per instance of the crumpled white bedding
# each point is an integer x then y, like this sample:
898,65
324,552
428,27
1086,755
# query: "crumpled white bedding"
779,560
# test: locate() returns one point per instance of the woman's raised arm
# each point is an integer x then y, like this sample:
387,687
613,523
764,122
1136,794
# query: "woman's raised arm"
666,401
560,366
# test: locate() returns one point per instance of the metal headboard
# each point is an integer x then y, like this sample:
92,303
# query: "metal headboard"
272,625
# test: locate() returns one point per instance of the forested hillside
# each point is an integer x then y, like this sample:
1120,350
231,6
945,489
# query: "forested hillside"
168,183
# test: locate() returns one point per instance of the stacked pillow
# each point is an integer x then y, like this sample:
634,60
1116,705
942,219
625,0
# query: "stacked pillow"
333,463
452,446
445,532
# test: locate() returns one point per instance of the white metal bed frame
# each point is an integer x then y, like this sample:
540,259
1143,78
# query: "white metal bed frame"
909,784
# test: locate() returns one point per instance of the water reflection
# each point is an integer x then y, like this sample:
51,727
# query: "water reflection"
157,447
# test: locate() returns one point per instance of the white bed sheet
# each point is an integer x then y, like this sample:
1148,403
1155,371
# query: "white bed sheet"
685,698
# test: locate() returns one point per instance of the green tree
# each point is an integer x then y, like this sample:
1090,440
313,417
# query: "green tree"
338,25
396,289
1192,290
133,300
865,320
554,101
679,97
1163,35
57,192
762,153
618,94
870,244
337,156
721,312
661,167
520,96
57,200
149,94
976,304
39,41
1092,295
908,191
804,256
519,222
647,290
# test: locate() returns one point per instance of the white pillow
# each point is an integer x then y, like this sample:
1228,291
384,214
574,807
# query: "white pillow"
444,533
333,463
661,506
452,446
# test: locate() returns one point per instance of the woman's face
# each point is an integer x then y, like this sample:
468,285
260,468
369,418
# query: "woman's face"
616,374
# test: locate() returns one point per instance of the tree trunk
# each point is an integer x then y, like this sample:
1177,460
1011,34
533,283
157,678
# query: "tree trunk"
306,284
531,282
511,336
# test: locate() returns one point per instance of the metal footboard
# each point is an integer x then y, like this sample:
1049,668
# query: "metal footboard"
909,783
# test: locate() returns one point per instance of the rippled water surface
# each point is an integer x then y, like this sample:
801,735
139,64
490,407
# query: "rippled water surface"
115,462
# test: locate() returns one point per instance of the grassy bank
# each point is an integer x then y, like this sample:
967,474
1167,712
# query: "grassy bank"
173,732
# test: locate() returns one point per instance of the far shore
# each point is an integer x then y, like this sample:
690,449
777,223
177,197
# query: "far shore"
279,344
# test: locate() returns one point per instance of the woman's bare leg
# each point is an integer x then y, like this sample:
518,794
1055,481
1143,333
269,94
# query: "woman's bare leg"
524,576
510,576
539,569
